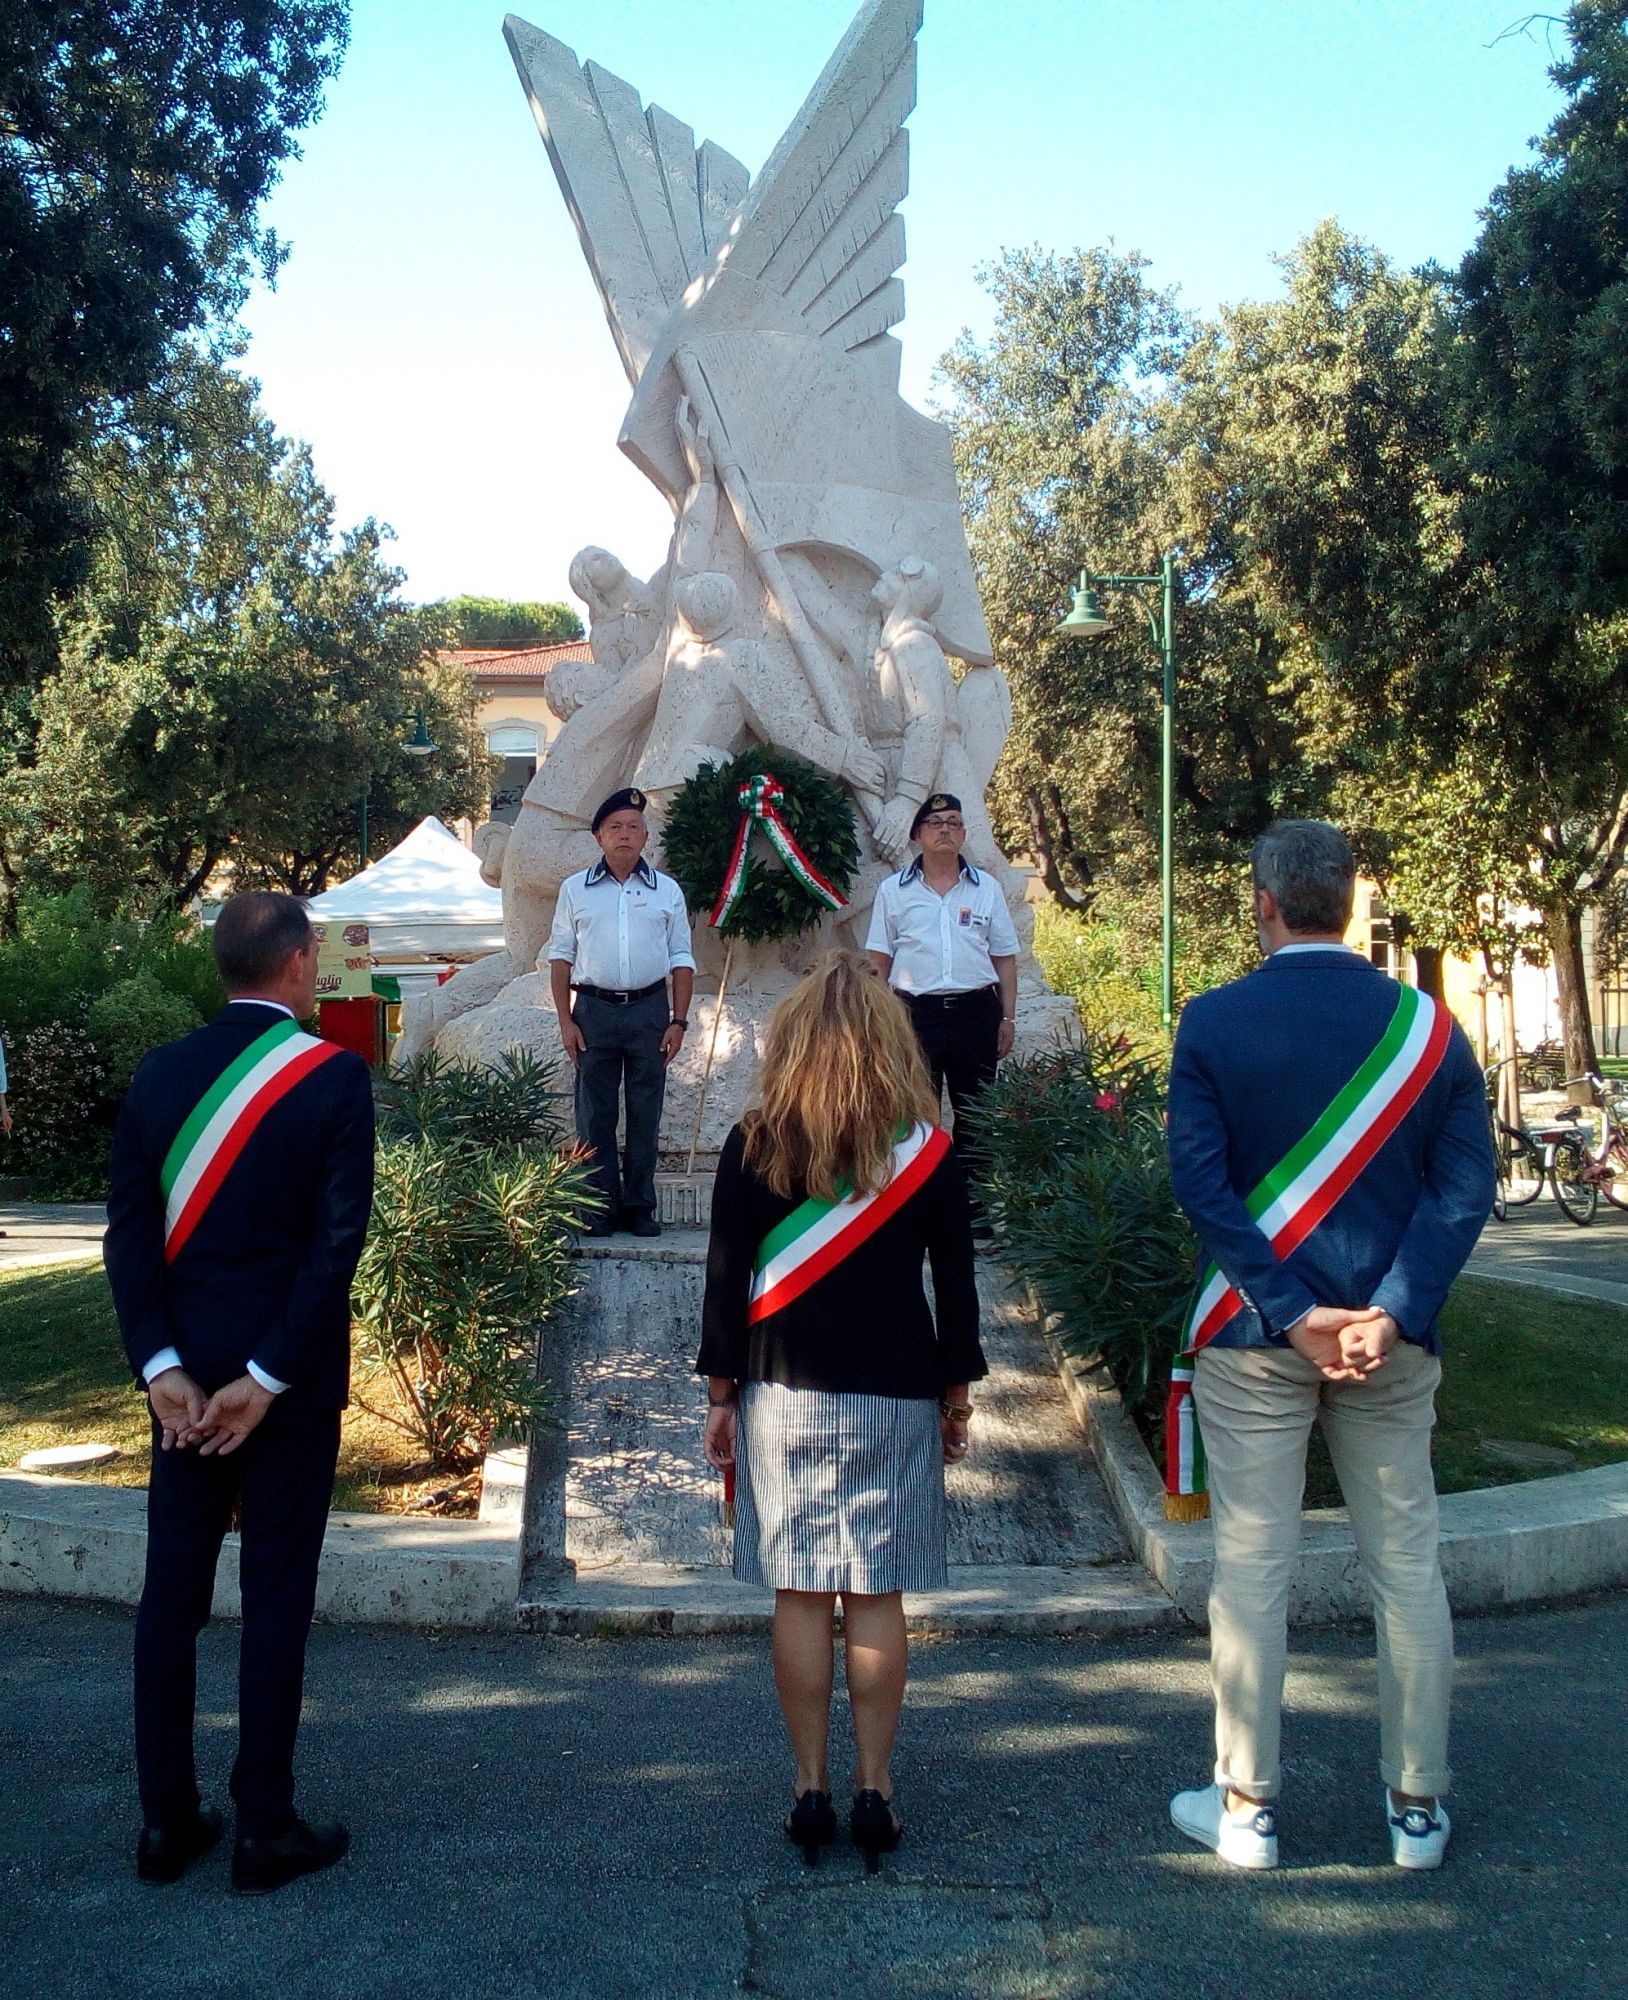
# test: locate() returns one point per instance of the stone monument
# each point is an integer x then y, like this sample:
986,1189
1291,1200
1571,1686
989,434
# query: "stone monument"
818,581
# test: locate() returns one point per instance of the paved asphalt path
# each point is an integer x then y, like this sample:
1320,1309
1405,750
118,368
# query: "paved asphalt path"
558,1818
1538,1246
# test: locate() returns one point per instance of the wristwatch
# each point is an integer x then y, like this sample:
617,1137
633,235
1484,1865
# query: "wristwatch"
676,1022
961,1412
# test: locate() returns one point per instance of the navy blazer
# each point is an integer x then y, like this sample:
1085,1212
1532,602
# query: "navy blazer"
266,1275
1256,1063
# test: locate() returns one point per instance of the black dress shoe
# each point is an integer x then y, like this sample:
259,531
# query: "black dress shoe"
599,1228
644,1225
165,1853
259,1866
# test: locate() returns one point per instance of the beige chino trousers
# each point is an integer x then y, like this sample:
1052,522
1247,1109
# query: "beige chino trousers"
1256,1406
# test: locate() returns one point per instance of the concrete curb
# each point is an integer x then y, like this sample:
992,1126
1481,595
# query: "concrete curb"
1535,1542
76,1538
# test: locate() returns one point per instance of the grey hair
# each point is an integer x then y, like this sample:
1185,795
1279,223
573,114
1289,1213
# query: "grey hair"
1309,868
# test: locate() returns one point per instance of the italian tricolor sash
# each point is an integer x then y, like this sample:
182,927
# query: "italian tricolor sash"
816,1237
225,1118
1294,1198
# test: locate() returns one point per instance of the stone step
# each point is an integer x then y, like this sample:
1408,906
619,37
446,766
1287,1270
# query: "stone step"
638,1492
648,1599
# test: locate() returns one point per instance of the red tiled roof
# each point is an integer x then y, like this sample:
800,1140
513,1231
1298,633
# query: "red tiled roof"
516,663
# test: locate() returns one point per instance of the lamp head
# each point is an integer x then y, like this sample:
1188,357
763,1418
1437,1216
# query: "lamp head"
420,743
1086,617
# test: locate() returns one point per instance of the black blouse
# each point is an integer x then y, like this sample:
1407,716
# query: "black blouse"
864,1328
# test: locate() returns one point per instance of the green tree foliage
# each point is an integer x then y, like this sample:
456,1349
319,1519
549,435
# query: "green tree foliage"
1540,370
233,678
496,623
133,1017
137,139
1082,442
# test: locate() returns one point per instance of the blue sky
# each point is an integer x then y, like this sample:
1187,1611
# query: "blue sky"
437,340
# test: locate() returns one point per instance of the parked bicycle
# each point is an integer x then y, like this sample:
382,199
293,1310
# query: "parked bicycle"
1529,1158
1603,1168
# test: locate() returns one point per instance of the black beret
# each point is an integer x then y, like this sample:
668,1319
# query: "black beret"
629,799
935,802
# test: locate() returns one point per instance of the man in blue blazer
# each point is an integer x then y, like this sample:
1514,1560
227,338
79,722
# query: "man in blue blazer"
241,1181
1329,1143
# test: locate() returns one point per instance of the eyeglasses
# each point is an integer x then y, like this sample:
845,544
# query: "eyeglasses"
947,820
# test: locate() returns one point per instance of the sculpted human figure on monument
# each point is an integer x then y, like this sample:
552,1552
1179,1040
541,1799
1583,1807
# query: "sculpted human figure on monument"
754,322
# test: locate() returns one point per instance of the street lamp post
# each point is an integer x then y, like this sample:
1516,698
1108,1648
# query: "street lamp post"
1085,620
419,744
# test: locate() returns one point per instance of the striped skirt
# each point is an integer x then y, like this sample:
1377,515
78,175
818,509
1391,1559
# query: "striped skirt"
838,1492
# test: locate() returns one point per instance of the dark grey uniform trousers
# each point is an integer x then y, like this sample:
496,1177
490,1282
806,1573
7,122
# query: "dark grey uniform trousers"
624,1049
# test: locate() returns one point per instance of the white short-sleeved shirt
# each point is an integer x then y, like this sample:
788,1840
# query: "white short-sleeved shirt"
621,935
941,944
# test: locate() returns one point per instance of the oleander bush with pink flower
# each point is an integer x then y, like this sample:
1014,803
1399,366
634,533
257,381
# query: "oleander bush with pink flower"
1076,1181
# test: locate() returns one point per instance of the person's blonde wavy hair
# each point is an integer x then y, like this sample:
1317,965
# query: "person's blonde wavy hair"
842,1071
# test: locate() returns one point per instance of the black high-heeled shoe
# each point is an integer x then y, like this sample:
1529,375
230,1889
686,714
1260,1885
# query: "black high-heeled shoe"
876,1828
811,1824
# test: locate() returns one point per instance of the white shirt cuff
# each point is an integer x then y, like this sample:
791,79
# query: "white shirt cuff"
166,1357
266,1381
680,959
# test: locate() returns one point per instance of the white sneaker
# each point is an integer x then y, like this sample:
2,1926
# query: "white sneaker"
1248,1839
1418,1837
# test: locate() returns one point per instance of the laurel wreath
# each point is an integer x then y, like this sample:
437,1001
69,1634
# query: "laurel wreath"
698,843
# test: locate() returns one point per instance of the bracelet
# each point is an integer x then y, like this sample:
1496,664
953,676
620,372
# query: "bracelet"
958,1412
675,1022
721,1402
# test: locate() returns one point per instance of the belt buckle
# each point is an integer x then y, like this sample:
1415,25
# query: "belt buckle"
618,997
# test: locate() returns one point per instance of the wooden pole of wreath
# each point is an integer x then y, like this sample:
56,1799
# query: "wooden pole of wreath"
712,1050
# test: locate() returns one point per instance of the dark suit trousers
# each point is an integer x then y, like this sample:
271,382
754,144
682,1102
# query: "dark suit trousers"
959,1035
282,1474
623,1052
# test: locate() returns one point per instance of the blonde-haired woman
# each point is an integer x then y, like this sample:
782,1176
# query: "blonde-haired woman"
833,1392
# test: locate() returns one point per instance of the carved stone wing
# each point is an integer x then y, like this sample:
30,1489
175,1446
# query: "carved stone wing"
651,208
819,227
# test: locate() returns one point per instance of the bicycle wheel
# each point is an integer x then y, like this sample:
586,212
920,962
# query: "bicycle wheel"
1615,1189
1500,1196
1520,1167
1578,1196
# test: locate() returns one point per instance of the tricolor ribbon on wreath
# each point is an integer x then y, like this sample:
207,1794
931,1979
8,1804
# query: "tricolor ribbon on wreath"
761,798
1292,1200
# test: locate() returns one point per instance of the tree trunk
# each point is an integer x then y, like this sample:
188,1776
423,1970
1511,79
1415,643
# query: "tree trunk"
1427,961
1564,930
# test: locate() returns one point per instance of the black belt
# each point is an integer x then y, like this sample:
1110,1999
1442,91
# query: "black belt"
617,997
951,999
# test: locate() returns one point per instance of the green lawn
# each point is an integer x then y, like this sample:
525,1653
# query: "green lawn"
1518,1364
63,1380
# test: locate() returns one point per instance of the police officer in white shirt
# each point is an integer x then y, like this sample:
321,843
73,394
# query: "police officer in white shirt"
942,936
619,930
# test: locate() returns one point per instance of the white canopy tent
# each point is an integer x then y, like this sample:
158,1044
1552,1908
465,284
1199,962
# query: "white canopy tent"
423,900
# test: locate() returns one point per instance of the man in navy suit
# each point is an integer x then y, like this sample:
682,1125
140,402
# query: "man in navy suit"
1329,1142
242,1176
